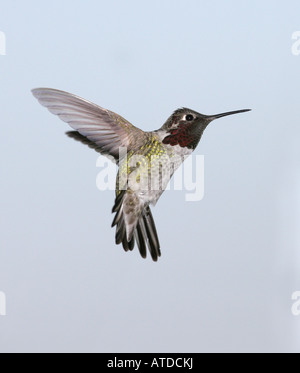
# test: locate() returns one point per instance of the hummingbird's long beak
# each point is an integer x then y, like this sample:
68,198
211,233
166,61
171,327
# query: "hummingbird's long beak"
216,116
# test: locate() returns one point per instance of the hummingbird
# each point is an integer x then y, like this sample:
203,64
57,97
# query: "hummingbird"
146,160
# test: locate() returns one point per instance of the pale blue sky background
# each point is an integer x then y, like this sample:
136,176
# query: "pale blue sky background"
230,262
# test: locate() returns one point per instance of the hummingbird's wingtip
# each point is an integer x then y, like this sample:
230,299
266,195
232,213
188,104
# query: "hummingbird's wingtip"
39,91
35,91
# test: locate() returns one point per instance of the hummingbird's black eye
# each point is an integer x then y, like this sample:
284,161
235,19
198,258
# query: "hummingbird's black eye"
189,117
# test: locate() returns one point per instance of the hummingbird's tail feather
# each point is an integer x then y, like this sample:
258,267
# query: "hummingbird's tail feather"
135,225
118,201
153,242
122,238
120,232
119,221
128,245
141,239
118,216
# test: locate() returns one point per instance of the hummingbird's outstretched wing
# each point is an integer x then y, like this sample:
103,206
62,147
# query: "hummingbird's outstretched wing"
105,129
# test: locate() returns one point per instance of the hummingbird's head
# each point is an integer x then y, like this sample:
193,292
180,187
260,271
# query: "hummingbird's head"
185,126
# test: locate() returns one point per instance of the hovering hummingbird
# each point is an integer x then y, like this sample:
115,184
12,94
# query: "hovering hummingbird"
147,160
